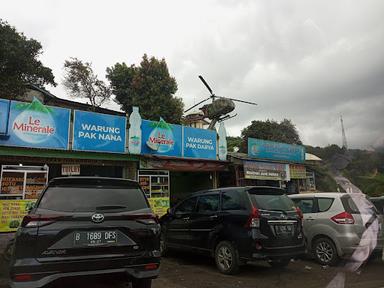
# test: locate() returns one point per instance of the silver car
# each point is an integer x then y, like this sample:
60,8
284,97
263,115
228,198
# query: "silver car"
333,225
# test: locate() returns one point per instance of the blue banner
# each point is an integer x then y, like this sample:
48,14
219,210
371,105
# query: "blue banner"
199,143
161,138
263,149
35,125
98,132
4,110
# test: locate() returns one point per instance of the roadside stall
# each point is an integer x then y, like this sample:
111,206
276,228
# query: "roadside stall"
20,186
175,160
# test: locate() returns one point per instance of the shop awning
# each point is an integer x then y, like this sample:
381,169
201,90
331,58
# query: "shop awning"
182,164
58,156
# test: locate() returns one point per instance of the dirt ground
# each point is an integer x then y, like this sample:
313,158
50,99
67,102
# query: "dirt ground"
191,271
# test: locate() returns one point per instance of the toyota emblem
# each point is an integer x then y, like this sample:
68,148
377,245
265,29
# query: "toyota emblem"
97,218
283,216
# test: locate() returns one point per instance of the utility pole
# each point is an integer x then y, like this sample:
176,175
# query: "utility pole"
345,145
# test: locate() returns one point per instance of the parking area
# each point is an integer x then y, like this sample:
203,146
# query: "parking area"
191,271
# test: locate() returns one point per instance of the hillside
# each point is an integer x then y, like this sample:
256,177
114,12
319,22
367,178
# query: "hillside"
364,168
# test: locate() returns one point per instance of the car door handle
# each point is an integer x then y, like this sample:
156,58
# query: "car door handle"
309,219
213,217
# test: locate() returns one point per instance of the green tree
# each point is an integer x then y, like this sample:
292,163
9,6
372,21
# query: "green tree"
148,86
19,64
82,82
233,142
284,131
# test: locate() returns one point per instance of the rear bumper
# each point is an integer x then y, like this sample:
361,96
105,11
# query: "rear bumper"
278,253
46,273
349,244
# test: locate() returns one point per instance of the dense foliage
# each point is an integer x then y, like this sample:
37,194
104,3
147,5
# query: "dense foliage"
148,86
19,64
81,82
284,131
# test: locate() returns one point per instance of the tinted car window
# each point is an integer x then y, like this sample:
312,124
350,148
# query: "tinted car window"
187,206
272,202
232,200
324,204
208,203
305,205
87,199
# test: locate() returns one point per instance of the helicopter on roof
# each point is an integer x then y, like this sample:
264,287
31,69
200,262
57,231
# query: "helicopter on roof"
220,107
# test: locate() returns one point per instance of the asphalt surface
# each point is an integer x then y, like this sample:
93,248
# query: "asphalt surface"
190,271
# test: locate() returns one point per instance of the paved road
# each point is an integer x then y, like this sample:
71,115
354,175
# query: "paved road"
191,271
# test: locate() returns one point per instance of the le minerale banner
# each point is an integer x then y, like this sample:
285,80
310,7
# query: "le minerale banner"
35,125
99,132
161,138
263,149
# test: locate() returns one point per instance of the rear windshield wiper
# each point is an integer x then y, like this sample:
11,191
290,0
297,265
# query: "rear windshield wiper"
110,207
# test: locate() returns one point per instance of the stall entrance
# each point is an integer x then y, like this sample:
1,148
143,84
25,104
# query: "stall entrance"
185,183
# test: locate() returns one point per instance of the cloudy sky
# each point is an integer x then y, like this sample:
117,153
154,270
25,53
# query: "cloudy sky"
308,61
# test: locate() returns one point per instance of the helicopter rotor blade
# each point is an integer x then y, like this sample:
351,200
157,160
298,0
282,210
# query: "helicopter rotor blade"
206,84
197,104
238,100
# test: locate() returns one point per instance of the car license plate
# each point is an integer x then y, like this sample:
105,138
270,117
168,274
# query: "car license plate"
94,238
284,230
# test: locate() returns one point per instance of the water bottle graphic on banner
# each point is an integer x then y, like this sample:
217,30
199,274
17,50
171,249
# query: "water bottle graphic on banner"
222,142
134,146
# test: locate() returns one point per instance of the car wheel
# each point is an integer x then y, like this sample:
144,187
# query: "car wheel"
142,283
280,263
227,258
163,244
9,250
325,252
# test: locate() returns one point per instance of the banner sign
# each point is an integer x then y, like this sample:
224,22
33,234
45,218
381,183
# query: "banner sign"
4,111
98,132
199,143
161,138
70,169
263,149
159,205
264,171
12,213
297,171
35,125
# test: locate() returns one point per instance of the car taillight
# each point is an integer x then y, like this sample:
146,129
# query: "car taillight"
254,219
33,220
343,218
299,213
143,218
22,277
151,266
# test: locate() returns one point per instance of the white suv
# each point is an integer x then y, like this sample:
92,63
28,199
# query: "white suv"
333,225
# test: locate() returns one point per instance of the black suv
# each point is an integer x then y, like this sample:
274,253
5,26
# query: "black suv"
236,225
86,226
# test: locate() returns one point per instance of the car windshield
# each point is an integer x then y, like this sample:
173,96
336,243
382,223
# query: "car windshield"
85,199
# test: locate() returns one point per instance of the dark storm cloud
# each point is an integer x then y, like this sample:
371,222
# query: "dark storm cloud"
309,61
301,62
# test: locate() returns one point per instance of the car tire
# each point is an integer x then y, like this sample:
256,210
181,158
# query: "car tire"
325,252
8,251
142,283
163,244
280,263
227,258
